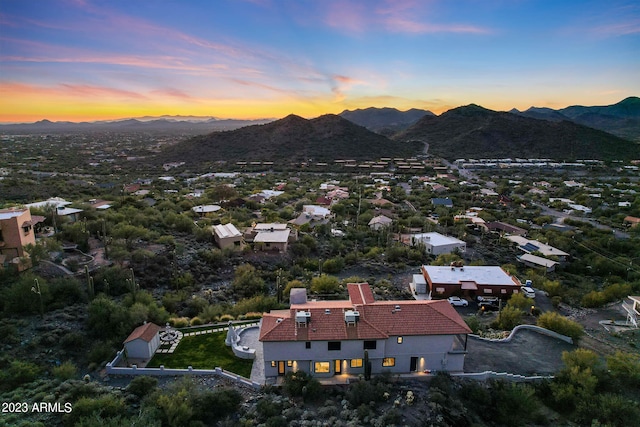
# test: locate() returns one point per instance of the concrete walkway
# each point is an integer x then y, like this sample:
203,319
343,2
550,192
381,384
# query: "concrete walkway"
249,338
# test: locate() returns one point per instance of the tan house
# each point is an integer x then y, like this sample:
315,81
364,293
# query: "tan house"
16,231
143,341
270,236
227,236
631,221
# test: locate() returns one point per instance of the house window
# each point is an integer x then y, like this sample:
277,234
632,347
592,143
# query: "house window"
321,367
289,363
356,363
370,345
399,340
488,291
333,345
389,361
503,291
273,363
307,344
440,290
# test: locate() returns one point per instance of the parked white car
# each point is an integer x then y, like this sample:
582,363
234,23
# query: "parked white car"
458,302
528,292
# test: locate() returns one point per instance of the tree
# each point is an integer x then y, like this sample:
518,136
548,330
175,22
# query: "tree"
325,284
129,233
246,282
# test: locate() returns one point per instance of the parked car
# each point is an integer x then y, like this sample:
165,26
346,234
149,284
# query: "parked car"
458,302
488,306
493,300
528,292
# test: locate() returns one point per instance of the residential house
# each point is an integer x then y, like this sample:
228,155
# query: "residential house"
437,244
16,231
438,201
270,236
143,342
469,281
338,194
312,215
529,246
503,227
227,236
329,338
632,309
380,221
631,221
60,206
535,261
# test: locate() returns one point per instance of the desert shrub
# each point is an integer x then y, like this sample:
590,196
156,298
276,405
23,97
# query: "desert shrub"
107,406
142,385
196,321
72,341
17,374
560,324
179,322
325,284
65,371
333,265
301,384
611,293
101,352
252,315
508,318
226,318
516,404
520,301
473,323
210,405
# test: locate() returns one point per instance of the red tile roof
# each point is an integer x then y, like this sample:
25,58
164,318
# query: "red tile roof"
146,332
378,320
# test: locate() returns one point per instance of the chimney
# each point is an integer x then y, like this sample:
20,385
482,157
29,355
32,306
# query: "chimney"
298,296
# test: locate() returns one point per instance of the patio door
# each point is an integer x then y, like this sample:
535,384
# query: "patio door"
338,366
281,367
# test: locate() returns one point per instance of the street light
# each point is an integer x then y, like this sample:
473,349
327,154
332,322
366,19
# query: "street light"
36,289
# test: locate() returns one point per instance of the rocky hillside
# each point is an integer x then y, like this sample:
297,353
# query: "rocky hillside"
476,132
291,139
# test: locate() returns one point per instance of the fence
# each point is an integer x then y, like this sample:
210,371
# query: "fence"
113,369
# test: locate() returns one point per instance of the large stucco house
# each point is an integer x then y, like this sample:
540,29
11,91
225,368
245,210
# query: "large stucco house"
328,338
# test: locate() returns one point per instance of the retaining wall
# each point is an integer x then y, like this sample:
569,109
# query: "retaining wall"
534,328
113,369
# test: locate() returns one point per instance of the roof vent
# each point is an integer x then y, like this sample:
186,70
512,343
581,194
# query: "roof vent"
327,311
397,308
279,319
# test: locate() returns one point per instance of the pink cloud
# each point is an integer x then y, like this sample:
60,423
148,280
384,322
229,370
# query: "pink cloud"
172,92
98,91
347,16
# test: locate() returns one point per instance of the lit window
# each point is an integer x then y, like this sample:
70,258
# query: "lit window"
356,363
389,361
399,340
440,290
488,291
273,363
289,363
321,367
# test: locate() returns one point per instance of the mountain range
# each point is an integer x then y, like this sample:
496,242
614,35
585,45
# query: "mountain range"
292,139
476,132
386,121
177,124
621,119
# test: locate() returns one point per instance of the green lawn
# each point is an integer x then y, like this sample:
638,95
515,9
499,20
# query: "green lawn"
203,352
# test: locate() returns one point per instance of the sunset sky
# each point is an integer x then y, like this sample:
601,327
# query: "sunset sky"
84,60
